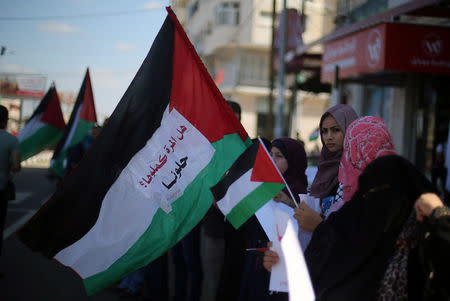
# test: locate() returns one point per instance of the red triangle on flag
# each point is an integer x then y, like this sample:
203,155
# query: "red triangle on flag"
53,114
264,169
88,107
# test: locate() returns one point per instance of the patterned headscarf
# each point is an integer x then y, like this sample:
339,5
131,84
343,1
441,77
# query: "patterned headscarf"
366,139
326,178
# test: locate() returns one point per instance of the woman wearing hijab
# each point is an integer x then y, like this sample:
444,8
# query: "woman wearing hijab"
368,249
333,125
373,248
290,157
366,139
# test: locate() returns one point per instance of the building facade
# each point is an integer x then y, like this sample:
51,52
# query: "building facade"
391,58
234,40
401,64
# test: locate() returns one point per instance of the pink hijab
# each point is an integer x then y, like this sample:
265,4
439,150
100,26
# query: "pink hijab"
366,139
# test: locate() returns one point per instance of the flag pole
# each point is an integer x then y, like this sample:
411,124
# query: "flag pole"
287,186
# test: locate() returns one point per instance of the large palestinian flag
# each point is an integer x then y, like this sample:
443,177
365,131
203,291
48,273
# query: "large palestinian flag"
250,183
145,182
44,128
82,119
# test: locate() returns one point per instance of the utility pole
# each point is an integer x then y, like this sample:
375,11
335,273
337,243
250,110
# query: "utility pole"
278,131
335,91
2,50
269,125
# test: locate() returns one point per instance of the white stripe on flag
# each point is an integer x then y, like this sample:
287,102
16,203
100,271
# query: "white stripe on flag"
72,129
31,127
175,154
238,190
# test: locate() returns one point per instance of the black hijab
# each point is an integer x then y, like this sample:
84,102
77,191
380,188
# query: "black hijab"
349,252
295,154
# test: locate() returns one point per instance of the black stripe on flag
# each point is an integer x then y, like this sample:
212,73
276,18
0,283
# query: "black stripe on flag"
44,103
74,208
78,103
243,164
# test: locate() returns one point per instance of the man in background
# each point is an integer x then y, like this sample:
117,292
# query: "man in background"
9,162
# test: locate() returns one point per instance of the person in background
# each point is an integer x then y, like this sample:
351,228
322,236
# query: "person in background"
439,170
220,243
333,125
366,139
367,250
148,283
76,152
434,246
290,157
233,262
374,248
255,237
9,162
188,269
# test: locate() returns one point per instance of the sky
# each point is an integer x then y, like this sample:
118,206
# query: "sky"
60,39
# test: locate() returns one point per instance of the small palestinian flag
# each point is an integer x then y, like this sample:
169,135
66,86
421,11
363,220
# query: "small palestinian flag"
251,182
314,135
45,127
145,182
82,119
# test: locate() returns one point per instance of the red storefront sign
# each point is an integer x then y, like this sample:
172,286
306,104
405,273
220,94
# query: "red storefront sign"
389,46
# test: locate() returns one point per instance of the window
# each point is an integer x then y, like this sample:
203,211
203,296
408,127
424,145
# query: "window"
262,110
377,102
227,13
253,69
266,14
192,9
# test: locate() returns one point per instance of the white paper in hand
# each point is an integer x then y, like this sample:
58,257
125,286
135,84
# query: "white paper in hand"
278,276
299,282
266,217
303,235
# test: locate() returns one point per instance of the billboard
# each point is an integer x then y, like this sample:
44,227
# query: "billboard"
22,85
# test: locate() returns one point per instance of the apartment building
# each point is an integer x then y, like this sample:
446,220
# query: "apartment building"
234,38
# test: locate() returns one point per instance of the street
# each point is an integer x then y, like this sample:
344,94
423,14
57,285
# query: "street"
28,275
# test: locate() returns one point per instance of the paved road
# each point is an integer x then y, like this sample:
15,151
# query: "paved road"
30,276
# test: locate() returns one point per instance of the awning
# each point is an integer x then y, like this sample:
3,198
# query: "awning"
388,47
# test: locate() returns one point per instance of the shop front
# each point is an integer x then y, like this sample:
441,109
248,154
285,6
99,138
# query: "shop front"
400,72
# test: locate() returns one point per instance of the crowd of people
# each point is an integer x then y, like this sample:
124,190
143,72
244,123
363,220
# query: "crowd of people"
382,232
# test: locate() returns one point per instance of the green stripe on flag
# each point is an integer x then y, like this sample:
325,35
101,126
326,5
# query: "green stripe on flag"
197,199
252,202
44,138
81,131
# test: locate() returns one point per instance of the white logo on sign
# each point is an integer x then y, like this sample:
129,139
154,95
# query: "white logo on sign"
373,51
432,44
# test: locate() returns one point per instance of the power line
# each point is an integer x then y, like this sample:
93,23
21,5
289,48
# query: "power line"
79,16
